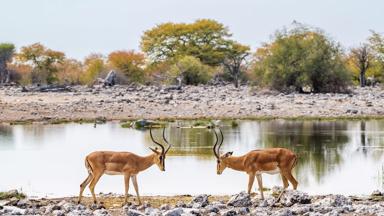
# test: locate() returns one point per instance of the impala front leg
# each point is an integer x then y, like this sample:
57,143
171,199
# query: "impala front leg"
250,182
260,182
134,180
126,182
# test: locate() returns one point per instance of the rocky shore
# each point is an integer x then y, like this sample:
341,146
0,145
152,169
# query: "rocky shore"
81,103
290,203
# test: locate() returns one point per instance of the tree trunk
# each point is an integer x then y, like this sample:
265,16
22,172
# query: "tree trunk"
362,78
2,73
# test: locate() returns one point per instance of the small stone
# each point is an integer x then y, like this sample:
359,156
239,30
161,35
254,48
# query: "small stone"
165,207
133,212
230,213
284,212
181,204
58,213
174,212
376,193
244,210
100,212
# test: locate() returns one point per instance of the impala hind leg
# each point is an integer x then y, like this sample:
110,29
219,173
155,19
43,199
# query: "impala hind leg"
260,182
83,185
126,183
134,180
285,180
291,179
92,185
250,182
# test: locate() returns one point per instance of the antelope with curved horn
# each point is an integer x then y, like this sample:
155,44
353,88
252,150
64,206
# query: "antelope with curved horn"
257,162
122,163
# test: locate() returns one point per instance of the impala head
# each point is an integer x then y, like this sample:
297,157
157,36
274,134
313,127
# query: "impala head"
160,155
221,159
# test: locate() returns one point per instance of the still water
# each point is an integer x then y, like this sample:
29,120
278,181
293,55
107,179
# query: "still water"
334,156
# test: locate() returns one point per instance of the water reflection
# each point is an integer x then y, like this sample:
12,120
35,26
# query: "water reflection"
331,153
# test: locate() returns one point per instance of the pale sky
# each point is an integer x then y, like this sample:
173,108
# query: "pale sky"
81,27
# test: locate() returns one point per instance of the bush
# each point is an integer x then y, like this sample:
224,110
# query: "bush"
191,71
301,58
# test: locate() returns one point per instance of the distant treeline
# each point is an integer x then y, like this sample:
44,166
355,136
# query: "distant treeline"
298,58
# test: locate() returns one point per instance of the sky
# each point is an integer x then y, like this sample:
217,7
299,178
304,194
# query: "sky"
81,27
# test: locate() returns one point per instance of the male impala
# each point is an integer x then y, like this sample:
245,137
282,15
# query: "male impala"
256,162
121,163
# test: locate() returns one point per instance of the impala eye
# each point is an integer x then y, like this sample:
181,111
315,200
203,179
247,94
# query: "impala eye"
161,157
218,161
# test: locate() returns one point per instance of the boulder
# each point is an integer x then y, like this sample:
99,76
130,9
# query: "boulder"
335,201
240,200
376,193
12,210
200,201
291,197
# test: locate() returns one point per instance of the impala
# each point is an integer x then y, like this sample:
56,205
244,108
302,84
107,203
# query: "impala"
257,162
121,163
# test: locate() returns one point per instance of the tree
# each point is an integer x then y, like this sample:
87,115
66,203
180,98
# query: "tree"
7,50
234,57
204,39
191,71
376,42
301,58
45,62
362,58
70,71
129,63
94,65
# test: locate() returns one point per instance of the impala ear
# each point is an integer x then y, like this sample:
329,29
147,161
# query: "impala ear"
229,154
154,150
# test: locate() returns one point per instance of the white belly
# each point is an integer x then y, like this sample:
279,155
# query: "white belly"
271,172
112,173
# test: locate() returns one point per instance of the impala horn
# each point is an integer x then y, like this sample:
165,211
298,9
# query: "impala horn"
169,145
161,146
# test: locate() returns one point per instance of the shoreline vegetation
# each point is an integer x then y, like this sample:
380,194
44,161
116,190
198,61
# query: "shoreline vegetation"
126,103
290,203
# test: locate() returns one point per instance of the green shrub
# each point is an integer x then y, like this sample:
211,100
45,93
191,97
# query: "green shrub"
191,71
301,58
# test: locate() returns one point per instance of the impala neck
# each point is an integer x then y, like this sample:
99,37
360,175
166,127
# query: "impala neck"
235,163
147,161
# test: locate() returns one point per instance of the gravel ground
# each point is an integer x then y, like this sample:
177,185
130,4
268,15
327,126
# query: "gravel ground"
291,203
216,102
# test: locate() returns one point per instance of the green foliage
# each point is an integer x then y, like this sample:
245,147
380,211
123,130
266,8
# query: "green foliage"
301,58
94,66
203,123
127,124
7,50
234,124
204,39
45,62
234,56
11,194
376,41
129,63
191,71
